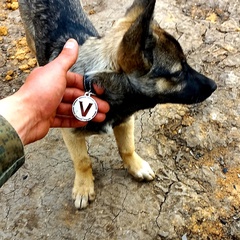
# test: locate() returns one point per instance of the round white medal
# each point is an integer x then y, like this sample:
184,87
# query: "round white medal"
85,108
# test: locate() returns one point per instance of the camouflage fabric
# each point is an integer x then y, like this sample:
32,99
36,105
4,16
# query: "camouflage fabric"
11,151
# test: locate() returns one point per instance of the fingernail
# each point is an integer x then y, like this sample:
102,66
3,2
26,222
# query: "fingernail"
69,44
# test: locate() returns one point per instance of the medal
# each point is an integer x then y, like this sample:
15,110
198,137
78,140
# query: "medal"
85,108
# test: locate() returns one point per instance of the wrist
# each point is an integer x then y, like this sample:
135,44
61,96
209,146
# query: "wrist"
17,111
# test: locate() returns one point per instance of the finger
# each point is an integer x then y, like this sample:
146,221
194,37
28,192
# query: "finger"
98,90
72,122
75,80
67,57
103,106
71,94
63,122
65,109
100,117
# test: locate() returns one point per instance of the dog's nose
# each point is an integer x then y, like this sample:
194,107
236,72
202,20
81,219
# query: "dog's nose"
213,85
208,87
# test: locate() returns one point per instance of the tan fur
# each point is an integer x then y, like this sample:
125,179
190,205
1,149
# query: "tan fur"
130,64
163,85
134,13
110,52
130,57
83,188
124,135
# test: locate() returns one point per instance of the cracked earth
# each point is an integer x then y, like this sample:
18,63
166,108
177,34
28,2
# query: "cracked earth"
194,150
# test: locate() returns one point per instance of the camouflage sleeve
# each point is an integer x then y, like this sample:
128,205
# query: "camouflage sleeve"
11,151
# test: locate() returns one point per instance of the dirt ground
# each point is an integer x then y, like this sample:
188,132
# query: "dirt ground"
194,150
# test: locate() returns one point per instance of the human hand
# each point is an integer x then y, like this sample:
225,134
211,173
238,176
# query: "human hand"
64,116
45,99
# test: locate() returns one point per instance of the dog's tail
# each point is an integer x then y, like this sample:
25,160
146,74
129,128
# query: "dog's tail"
50,23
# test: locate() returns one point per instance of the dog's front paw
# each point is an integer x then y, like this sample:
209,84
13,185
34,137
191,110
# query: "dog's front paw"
145,172
139,168
83,194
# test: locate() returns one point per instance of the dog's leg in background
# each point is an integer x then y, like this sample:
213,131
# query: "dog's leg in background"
25,12
136,166
83,188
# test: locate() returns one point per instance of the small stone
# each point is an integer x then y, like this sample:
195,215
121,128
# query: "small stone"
24,67
212,17
3,31
14,6
163,234
3,16
198,155
91,12
236,217
22,41
24,177
32,62
212,169
10,72
8,78
184,237
221,160
223,221
20,55
8,5
225,170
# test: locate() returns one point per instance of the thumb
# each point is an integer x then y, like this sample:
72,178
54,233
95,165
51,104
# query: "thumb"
68,55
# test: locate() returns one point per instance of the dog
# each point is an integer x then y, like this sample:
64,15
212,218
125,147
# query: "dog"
137,63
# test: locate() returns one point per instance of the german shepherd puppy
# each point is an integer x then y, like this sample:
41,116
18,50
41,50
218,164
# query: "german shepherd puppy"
137,63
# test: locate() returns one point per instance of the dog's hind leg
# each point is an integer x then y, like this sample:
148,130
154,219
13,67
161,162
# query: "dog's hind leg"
137,167
83,188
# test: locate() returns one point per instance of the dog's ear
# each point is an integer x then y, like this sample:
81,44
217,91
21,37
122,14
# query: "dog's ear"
130,55
138,7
